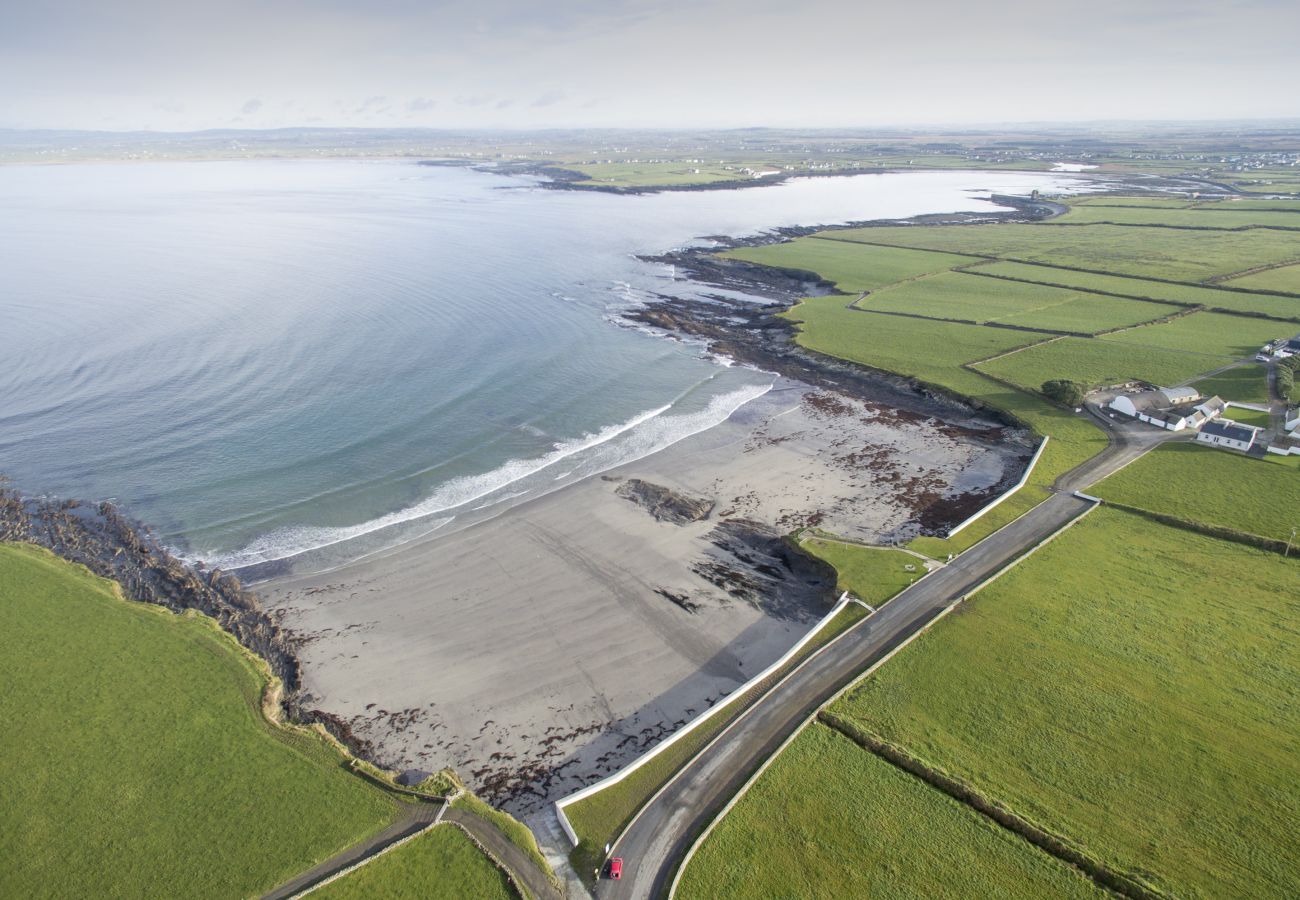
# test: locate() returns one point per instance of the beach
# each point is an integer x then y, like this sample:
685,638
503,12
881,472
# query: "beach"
546,647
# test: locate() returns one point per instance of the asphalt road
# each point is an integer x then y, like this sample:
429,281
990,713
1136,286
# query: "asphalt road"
416,817
662,834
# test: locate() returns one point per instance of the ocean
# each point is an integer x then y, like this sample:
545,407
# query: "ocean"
309,361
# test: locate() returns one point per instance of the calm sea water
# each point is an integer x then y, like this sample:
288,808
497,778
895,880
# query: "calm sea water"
267,358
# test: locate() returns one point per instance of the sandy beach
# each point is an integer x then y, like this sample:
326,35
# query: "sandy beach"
544,648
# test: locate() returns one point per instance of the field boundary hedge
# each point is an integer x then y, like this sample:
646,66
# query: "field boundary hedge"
1222,532
1111,878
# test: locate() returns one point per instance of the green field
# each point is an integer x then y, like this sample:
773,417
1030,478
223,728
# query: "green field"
1152,202
852,267
1205,484
1146,252
1130,687
1095,363
440,864
140,763
828,819
1244,384
654,174
1252,417
1209,296
1282,278
1213,334
953,295
872,574
1201,216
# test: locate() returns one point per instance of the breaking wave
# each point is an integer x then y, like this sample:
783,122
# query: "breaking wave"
591,454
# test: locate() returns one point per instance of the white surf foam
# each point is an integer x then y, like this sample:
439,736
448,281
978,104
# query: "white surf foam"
597,452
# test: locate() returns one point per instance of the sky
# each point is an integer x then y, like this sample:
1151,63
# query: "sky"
179,65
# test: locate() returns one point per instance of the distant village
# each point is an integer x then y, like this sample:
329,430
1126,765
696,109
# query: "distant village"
1185,408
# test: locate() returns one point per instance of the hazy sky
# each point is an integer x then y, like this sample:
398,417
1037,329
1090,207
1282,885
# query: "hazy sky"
181,64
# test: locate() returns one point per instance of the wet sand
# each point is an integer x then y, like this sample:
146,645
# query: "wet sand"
544,648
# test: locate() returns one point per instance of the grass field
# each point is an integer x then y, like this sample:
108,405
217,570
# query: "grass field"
648,174
1146,252
1213,334
140,763
1200,216
1131,687
1152,202
1204,484
441,864
852,267
1095,362
830,820
1282,278
1252,417
872,574
1209,296
1245,384
953,295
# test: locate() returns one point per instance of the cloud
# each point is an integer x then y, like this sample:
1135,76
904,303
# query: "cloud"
550,98
421,104
250,107
505,103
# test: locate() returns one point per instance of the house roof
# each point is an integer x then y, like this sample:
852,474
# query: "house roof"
1230,430
1214,404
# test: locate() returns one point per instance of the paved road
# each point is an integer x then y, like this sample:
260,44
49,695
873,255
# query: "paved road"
655,843
517,861
416,817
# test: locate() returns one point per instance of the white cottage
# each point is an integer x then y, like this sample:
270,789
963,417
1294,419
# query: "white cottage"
1230,435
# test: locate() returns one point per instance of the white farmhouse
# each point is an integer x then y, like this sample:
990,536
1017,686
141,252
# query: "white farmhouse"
1230,435
1168,408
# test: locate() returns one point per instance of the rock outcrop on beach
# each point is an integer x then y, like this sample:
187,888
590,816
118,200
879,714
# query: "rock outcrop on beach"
755,563
665,504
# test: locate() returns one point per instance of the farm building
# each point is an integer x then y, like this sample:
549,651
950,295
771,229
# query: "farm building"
1229,435
1170,408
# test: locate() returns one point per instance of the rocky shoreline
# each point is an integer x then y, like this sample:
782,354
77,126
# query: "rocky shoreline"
756,334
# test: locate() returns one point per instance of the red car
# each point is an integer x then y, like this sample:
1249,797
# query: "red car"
616,868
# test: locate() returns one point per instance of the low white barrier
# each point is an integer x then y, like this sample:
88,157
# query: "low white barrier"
1005,494
695,723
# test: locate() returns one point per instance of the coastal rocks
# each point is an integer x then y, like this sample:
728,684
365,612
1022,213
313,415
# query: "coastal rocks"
111,546
755,563
665,504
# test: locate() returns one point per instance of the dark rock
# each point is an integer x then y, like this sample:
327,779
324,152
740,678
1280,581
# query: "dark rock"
665,504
